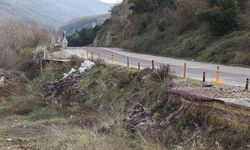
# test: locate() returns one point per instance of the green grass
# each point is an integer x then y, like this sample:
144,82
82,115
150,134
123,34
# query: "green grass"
184,35
105,95
44,127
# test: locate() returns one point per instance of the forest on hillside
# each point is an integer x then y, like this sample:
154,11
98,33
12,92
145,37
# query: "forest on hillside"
84,37
206,30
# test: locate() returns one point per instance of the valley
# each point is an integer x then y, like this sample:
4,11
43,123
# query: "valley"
54,13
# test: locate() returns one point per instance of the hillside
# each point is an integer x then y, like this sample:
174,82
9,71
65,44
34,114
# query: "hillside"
215,30
52,12
83,22
84,37
110,108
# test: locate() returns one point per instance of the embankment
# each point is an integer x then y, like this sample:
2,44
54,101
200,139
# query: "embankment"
110,107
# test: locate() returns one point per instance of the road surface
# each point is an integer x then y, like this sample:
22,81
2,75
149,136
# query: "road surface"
235,76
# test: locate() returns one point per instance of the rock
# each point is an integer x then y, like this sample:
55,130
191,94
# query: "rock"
70,73
9,140
207,85
85,66
137,117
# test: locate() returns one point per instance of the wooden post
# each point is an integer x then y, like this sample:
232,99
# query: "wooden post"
247,84
153,65
185,72
204,76
128,63
139,66
113,59
92,56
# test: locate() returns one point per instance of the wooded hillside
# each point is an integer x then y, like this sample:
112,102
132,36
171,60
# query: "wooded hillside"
206,30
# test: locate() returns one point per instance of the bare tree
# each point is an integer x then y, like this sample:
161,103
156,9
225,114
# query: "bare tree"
16,35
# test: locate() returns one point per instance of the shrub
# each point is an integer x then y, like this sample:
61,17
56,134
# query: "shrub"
221,15
24,52
29,67
123,79
23,105
141,6
75,60
14,42
162,74
100,62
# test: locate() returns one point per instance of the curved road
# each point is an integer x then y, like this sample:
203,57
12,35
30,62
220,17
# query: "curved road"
235,76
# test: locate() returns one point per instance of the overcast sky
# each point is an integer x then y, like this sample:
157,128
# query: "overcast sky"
111,1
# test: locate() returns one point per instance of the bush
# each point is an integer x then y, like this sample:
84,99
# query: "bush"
221,15
23,105
75,61
14,42
24,52
162,74
142,6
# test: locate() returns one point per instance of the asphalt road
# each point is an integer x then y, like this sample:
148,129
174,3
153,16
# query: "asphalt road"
235,76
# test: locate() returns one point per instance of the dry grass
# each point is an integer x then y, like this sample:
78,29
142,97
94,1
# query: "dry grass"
104,96
232,109
22,105
13,39
75,60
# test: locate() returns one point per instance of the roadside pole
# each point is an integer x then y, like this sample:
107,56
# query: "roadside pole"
185,72
247,84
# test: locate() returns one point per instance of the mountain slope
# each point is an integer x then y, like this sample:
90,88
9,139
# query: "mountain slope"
83,22
52,12
216,31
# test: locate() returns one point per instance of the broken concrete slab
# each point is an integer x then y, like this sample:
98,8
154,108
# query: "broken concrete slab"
239,102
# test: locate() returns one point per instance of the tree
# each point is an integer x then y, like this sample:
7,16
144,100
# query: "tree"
17,35
221,15
84,37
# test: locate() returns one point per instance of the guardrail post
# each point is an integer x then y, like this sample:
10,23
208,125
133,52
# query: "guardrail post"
153,65
139,66
185,72
87,54
247,84
204,76
128,63
92,56
113,59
